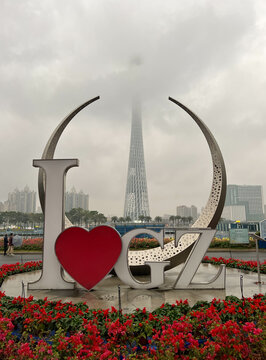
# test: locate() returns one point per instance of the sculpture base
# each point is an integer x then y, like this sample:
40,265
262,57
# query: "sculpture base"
105,294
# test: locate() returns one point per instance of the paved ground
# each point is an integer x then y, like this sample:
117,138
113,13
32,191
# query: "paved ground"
244,255
238,254
22,258
105,294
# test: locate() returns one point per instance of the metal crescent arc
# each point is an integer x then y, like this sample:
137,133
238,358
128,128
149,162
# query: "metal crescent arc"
208,218
50,147
212,211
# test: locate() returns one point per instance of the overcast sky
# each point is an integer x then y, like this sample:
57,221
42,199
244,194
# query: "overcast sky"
210,55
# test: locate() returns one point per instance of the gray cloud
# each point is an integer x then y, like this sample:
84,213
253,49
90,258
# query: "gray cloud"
208,54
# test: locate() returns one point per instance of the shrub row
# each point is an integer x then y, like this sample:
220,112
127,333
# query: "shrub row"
138,244
222,329
237,264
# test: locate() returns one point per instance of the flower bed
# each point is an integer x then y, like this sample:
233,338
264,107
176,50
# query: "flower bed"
225,243
32,244
237,264
145,243
11,269
136,243
221,329
27,244
41,329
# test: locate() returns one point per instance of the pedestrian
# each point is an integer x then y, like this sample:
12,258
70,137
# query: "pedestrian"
5,243
10,250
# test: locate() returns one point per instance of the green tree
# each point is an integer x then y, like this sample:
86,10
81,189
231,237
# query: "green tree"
121,220
184,220
178,218
75,215
114,219
86,217
172,219
100,219
93,216
141,218
39,218
189,218
128,219
158,219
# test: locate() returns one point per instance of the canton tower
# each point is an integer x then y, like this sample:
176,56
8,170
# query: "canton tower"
136,199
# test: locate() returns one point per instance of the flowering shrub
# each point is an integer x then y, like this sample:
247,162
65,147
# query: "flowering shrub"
237,264
39,329
32,244
145,243
11,269
225,243
136,243
221,329
27,244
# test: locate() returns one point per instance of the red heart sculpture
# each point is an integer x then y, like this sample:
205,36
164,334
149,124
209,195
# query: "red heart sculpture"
88,256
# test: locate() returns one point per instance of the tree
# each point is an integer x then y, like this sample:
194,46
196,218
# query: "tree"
147,219
114,219
39,218
93,216
184,220
100,219
158,219
189,218
75,215
141,218
172,219
87,217
128,219
121,219
178,218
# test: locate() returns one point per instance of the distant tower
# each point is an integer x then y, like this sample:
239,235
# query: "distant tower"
136,199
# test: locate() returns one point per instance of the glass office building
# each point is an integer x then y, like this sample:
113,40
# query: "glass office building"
250,196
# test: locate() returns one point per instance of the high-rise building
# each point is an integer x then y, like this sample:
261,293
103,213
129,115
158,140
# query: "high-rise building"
194,212
186,211
76,200
136,199
22,201
249,196
234,213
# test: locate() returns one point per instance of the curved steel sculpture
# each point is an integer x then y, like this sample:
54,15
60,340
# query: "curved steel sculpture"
50,147
208,218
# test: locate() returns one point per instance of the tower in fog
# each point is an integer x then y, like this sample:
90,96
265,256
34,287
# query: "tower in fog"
136,199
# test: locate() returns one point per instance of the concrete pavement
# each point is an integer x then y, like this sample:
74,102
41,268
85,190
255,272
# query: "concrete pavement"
105,294
237,254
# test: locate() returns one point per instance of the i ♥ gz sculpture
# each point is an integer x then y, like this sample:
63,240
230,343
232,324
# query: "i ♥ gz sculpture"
88,255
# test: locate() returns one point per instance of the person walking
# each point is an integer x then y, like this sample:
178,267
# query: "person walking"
5,244
10,250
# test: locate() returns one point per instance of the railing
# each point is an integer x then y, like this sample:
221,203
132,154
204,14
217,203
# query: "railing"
257,239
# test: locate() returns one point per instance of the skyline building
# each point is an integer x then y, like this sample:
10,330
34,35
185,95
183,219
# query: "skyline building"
136,198
186,211
74,199
250,197
21,201
25,201
234,213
